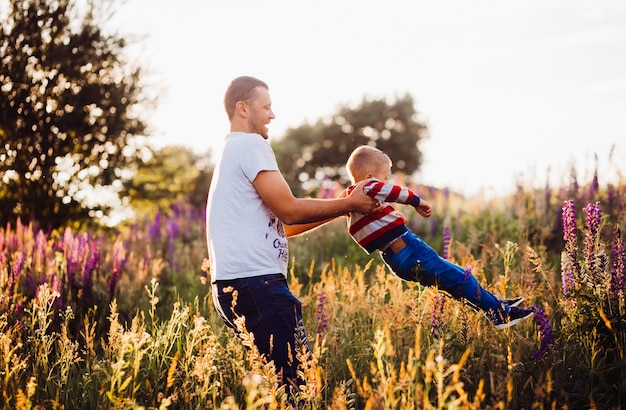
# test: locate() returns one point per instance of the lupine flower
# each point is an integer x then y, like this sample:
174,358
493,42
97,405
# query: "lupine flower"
322,319
14,243
568,265
548,196
176,209
119,259
618,267
39,254
74,255
567,276
173,232
610,196
147,258
594,214
546,336
93,261
56,287
446,242
18,262
155,227
433,226
619,205
435,314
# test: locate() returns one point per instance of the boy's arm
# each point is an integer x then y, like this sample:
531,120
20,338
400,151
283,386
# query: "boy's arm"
424,209
391,193
395,193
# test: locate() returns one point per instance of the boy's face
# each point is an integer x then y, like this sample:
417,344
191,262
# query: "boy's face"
383,172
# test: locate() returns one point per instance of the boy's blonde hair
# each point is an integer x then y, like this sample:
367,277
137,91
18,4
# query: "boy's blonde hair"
365,159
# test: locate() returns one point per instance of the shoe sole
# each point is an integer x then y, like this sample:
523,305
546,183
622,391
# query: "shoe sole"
513,322
517,302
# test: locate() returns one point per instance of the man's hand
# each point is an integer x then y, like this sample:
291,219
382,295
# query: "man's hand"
424,209
361,202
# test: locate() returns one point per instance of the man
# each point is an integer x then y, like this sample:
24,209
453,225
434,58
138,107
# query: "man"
250,213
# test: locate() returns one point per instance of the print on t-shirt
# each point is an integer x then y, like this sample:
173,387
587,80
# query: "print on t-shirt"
280,242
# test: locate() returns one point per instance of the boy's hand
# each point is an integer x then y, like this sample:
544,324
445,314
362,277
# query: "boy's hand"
424,209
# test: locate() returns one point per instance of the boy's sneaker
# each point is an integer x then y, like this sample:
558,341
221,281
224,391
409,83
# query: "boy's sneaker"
515,316
513,302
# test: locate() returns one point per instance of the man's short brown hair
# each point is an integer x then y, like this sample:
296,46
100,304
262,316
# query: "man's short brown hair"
241,89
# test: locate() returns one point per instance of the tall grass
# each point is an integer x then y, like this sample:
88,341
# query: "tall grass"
123,319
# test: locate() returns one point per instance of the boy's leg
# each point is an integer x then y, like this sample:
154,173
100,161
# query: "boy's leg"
419,262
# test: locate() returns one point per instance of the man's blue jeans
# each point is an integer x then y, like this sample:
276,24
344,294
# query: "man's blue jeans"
418,262
273,314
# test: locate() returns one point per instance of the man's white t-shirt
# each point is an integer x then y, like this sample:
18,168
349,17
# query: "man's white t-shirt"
244,237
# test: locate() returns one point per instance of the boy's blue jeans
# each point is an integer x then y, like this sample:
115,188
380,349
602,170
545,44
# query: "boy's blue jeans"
418,262
273,315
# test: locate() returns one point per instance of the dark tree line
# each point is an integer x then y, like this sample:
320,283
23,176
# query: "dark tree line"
66,110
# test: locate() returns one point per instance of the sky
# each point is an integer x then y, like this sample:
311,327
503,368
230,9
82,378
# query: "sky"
512,91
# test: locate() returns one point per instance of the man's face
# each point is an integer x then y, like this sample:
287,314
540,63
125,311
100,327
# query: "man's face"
260,112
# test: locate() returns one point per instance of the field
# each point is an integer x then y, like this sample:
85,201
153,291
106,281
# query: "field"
122,318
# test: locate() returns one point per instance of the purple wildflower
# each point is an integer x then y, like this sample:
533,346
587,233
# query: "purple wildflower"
618,267
571,245
173,232
18,262
548,196
56,286
594,214
177,209
91,265
39,254
119,259
446,242
435,314
155,227
546,336
433,226
610,196
147,258
322,319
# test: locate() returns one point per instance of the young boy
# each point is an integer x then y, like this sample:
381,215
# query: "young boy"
408,256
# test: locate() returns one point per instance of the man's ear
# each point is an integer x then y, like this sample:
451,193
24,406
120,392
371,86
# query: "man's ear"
242,109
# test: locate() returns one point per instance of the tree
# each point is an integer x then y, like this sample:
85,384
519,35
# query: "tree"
68,110
311,153
172,174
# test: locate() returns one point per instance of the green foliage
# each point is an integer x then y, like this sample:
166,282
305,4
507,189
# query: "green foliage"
171,175
311,153
68,110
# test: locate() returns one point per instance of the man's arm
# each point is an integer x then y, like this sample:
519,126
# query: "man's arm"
277,195
298,229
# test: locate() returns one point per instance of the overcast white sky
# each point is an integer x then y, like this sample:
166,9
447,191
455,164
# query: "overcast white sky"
507,88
